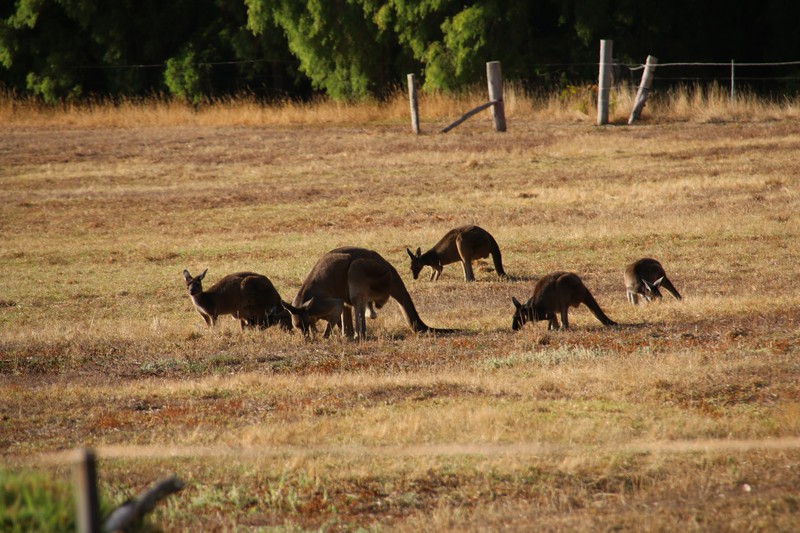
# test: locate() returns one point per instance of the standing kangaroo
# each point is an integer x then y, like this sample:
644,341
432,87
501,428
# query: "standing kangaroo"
556,293
247,296
464,244
351,278
643,278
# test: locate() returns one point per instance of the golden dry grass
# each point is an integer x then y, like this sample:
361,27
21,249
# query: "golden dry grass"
685,417
573,104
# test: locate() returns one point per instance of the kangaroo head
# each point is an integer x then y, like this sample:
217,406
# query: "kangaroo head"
279,315
522,314
651,289
195,285
416,264
301,318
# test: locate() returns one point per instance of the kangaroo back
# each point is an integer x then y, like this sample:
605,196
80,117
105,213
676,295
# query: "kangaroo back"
259,302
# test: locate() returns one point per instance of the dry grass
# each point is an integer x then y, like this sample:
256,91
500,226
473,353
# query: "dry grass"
685,417
574,104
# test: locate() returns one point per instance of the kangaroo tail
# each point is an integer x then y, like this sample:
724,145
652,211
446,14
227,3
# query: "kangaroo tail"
594,307
400,293
443,331
670,288
497,258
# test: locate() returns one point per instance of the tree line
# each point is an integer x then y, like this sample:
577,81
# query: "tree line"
355,49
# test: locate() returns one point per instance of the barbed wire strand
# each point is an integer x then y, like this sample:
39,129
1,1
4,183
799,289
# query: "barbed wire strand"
630,66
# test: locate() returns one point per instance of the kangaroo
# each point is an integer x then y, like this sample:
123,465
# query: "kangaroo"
347,281
464,244
332,310
247,296
556,293
304,316
643,278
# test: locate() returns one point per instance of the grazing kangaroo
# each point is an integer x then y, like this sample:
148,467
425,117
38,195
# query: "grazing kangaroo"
464,244
556,293
247,296
643,278
332,310
347,280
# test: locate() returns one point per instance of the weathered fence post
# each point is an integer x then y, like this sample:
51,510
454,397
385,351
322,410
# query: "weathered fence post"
644,89
604,81
495,81
86,499
412,100
733,90
124,516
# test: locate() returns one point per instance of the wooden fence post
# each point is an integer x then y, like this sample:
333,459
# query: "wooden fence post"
495,81
604,81
644,89
87,502
412,99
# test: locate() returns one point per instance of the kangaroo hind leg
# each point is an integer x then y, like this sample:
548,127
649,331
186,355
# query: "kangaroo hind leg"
368,286
466,259
565,318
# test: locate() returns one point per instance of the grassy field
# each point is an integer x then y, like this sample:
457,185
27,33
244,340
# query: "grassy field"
684,417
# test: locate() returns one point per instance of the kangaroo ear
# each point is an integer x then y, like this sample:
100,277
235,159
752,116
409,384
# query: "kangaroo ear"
419,252
410,254
187,276
657,282
516,303
647,285
307,304
289,307
201,276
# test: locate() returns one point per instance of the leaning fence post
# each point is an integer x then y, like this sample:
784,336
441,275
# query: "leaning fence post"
86,499
412,100
604,81
495,81
644,89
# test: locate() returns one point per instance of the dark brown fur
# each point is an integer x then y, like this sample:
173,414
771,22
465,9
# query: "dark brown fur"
644,277
465,244
351,278
556,293
247,296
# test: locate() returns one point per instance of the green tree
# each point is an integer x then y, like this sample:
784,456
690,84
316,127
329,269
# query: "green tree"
60,49
356,48
337,42
183,77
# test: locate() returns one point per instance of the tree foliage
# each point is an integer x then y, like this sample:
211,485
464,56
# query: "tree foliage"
355,49
60,49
